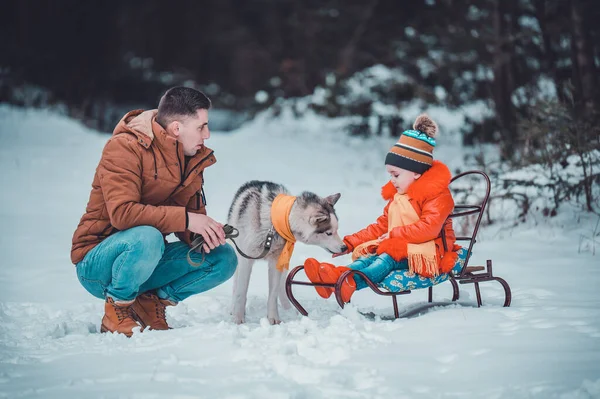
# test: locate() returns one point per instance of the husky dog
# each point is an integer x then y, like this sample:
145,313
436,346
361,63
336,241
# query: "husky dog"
312,221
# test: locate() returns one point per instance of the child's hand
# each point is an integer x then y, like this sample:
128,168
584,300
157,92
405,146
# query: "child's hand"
348,250
397,248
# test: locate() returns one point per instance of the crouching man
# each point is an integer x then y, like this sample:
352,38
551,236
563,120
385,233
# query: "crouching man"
149,183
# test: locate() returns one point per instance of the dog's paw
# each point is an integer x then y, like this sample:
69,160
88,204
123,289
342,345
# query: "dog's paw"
239,319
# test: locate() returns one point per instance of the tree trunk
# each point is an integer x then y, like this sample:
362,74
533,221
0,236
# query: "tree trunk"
551,57
584,69
503,84
348,52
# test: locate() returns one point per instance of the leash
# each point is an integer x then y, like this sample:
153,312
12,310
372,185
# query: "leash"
230,233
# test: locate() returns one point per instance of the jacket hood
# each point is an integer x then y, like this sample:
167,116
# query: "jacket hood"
431,183
138,122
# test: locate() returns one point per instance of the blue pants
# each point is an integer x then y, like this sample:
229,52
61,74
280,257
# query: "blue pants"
137,260
376,268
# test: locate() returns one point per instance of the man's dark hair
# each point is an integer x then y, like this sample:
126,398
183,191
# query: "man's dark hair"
179,102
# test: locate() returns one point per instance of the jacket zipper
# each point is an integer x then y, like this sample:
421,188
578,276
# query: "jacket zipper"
203,195
199,163
181,170
183,179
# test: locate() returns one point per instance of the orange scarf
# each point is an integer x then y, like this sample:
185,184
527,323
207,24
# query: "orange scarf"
280,217
422,258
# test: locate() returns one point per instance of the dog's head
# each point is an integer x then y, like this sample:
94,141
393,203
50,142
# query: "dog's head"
315,222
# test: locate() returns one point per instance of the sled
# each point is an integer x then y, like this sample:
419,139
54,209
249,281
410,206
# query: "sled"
401,282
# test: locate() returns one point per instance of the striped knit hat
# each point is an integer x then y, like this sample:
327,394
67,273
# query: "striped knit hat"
414,150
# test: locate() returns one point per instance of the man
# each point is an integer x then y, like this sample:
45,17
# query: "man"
149,183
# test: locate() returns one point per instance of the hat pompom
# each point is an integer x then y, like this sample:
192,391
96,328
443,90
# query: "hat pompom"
426,125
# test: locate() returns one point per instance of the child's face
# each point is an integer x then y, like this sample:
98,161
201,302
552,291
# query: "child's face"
401,178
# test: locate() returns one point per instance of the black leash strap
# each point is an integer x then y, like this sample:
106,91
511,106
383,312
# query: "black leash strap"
230,233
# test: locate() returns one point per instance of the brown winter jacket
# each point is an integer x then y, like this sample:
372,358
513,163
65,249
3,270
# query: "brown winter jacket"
141,180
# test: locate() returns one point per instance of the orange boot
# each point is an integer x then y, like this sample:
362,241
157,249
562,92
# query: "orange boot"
312,269
348,286
329,274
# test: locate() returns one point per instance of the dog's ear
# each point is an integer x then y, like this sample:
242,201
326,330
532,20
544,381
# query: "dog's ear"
318,219
332,199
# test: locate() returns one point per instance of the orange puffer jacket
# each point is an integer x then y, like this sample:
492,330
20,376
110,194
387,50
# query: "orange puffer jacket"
142,179
431,198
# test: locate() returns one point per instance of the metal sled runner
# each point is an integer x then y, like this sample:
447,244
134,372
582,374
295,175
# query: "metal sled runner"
399,283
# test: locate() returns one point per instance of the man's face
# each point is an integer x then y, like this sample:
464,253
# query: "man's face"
191,132
401,178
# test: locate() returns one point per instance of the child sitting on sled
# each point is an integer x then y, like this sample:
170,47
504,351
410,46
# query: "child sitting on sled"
407,235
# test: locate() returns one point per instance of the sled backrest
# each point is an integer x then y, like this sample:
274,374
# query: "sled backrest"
469,208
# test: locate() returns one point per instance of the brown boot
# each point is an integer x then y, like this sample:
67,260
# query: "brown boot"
151,311
118,317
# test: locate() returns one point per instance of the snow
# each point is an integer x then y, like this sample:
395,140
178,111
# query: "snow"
546,345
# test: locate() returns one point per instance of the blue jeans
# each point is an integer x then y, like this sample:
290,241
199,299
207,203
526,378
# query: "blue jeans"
136,260
376,268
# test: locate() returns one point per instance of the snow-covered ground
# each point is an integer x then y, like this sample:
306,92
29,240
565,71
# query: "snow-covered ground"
546,345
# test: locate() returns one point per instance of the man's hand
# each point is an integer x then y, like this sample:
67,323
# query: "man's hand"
209,229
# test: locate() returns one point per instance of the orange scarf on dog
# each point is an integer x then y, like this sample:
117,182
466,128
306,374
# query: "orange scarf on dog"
280,217
422,258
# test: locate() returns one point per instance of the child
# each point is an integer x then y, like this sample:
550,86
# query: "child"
407,235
